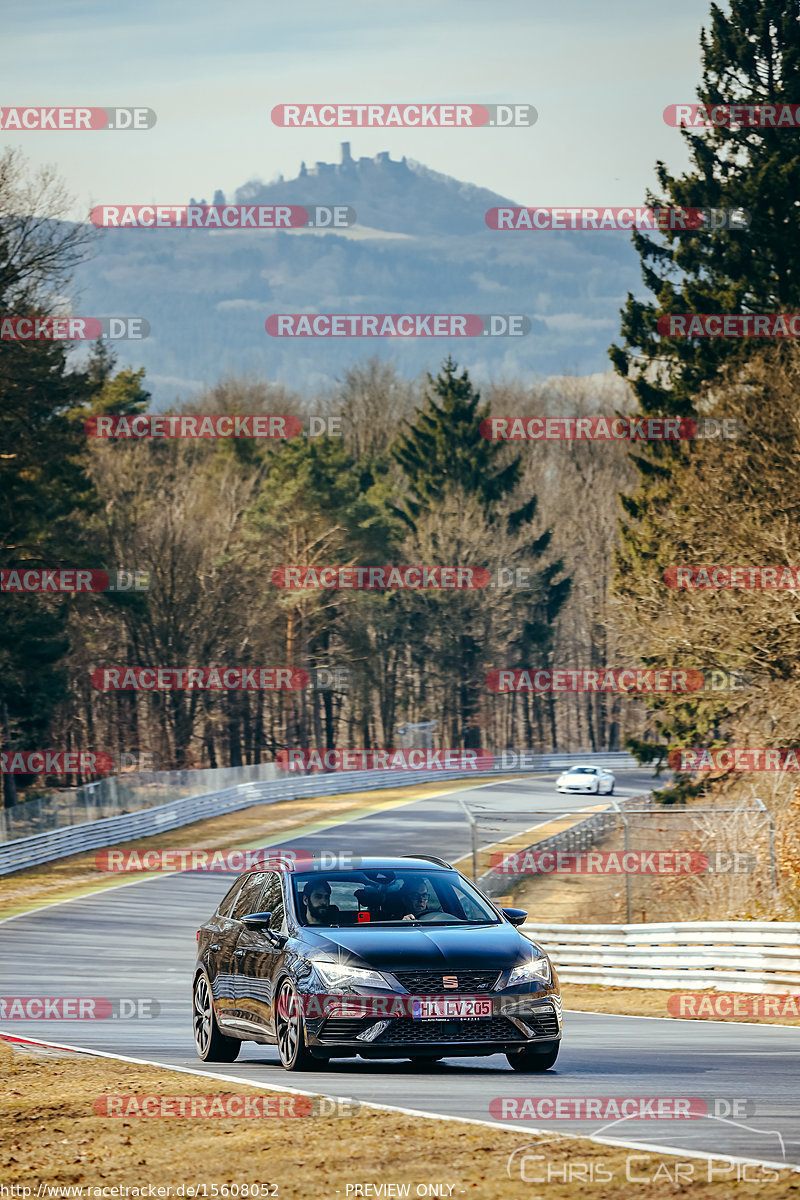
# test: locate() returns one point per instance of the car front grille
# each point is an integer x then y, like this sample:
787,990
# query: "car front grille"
344,1029
491,1029
431,983
541,1024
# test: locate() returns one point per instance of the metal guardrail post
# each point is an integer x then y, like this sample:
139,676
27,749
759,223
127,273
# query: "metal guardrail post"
773,871
473,831
624,820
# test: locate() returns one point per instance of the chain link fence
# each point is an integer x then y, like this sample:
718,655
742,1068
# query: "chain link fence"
117,795
628,860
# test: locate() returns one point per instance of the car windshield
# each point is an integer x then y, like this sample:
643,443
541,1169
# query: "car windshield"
386,896
582,771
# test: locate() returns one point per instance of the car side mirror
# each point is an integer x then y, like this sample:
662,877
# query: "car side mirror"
258,920
517,916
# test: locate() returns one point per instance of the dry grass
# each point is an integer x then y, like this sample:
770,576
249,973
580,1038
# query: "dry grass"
652,1002
51,1135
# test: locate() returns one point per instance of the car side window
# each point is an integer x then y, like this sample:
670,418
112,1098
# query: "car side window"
226,906
272,901
249,899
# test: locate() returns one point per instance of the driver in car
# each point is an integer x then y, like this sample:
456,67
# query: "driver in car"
316,900
415,901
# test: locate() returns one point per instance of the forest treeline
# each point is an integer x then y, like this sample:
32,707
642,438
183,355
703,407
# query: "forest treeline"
206,522
410,479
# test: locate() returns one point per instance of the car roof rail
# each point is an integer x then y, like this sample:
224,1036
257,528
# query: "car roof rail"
429,858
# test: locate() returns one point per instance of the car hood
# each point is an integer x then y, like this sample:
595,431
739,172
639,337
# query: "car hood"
475,948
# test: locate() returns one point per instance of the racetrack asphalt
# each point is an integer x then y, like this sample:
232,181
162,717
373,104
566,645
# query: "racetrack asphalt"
139,941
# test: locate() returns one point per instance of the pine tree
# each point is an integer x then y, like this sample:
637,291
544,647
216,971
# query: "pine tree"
444,455
444,449
750,56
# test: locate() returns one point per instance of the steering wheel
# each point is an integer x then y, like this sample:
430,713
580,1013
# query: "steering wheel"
434,916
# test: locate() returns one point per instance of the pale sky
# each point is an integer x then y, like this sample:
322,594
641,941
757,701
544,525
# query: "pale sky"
599,75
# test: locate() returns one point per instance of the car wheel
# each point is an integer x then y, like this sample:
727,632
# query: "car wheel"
611,790
212,1046
290,1031
534,1059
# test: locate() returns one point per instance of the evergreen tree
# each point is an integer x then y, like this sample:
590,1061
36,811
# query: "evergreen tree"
444,449
45,495
750,56
443,456
45,492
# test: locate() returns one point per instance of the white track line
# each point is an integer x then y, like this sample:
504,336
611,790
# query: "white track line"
410,1112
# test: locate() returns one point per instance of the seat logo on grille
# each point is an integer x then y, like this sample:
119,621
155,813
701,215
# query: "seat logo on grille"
450,981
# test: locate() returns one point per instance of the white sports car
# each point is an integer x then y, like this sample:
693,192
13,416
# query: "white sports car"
596,780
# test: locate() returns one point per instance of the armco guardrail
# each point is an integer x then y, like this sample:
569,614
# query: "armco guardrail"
108,831
733,956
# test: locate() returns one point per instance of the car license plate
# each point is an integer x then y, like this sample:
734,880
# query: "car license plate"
437,1010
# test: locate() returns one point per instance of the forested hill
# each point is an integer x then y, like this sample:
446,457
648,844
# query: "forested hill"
207,294
394,196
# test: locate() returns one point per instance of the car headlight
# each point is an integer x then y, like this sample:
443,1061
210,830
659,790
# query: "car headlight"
531,972
339,975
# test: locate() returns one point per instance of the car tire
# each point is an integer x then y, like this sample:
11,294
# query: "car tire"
611,790
210,1043
534,1059
290,1031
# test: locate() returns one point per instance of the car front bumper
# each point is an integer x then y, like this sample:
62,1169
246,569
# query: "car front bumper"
518,1020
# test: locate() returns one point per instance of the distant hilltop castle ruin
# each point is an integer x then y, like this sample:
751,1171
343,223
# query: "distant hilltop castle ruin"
349,163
